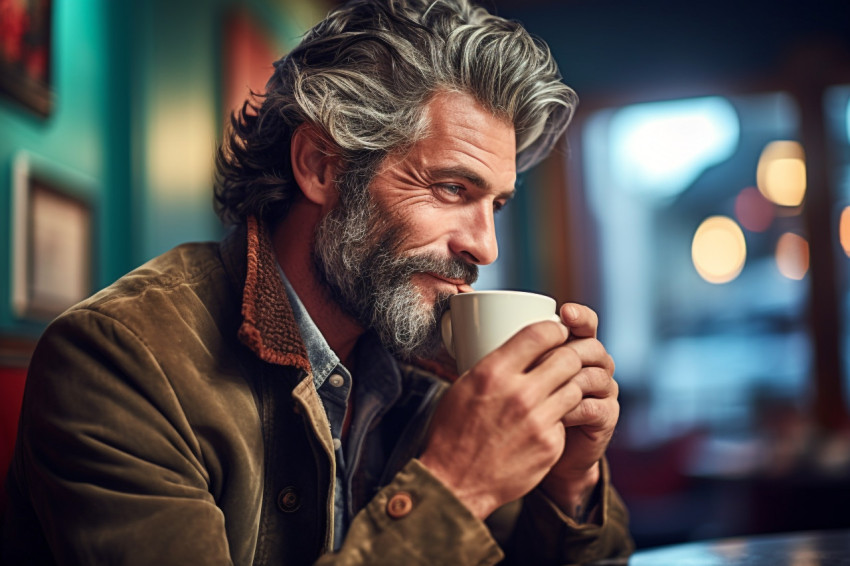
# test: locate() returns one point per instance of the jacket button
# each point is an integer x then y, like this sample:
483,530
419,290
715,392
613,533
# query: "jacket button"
288,500
399,505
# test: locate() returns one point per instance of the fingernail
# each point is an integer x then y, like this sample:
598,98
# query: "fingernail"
572,312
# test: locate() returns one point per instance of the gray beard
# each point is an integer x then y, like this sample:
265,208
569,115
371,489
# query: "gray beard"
357,256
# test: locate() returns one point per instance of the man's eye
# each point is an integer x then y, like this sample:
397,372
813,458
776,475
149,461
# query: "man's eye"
451,189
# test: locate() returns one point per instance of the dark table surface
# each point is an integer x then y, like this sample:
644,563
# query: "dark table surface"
816,548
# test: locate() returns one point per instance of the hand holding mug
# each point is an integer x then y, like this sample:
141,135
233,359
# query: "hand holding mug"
498,430
590,424
501,428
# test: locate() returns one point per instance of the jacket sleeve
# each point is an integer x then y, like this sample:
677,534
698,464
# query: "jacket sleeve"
106,456
543,534
416,520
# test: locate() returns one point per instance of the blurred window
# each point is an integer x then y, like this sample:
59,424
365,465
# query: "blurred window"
704,257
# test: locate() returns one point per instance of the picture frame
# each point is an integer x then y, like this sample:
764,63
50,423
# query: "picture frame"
53,239
25,54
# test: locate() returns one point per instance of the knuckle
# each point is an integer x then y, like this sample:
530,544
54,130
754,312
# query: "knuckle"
607,413
599,376
572,395
540,435
592,412
522,403
599,350
607,360
485,376
568,358
615,389
553,442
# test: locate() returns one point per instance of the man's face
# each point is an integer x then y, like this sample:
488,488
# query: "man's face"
391,255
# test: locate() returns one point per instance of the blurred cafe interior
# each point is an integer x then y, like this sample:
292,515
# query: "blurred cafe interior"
700,203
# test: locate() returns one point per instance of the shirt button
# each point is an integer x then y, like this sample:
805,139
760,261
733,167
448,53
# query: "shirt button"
288,500
337,380
399,505
337,444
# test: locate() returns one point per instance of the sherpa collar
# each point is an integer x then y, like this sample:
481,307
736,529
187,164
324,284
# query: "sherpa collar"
268,324
269,328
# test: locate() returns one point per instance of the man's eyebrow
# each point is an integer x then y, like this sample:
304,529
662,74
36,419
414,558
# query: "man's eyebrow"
471,177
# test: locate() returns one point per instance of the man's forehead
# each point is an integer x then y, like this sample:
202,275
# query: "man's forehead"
484,145
452,108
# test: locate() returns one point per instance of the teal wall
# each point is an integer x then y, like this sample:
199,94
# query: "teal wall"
136,119
72,141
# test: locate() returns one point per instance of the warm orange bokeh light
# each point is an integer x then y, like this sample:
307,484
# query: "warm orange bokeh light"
719,250
781,173
792,256
844,230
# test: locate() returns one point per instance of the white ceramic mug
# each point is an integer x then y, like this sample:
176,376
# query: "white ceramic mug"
479,322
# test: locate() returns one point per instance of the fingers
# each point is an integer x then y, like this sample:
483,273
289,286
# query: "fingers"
589,396
593,353
508,373
558,370
576,359
589,384
581,320
522,350
594,414
581,369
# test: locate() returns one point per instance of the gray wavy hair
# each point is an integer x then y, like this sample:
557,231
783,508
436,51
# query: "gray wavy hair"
363,76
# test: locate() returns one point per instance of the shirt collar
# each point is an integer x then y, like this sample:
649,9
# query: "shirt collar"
322,358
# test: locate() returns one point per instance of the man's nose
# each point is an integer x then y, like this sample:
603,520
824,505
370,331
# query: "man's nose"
476,237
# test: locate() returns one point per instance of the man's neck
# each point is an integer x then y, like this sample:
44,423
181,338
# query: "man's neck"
292,241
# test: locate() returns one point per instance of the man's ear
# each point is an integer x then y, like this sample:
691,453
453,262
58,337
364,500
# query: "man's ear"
314,170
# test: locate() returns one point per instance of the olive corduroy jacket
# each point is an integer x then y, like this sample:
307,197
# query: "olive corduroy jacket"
172,419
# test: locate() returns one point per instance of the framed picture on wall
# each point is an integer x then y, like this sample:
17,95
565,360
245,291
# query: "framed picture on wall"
25,43
52,243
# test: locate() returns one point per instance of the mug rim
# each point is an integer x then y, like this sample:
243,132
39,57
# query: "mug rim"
502,292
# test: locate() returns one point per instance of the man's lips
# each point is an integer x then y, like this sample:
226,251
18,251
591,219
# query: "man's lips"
461,285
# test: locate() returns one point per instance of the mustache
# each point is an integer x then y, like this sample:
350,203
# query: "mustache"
447,267
388,253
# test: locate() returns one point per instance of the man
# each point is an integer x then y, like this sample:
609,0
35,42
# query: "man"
274,399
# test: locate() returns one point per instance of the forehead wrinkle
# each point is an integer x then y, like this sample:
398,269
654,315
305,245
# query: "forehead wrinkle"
466,136
458,124
479,147
471,139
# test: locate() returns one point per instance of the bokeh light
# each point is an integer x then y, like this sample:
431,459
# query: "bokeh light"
792,255
719,250
781,173
658,149
844,230
753,210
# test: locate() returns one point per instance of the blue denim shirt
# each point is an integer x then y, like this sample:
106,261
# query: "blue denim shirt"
378,387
